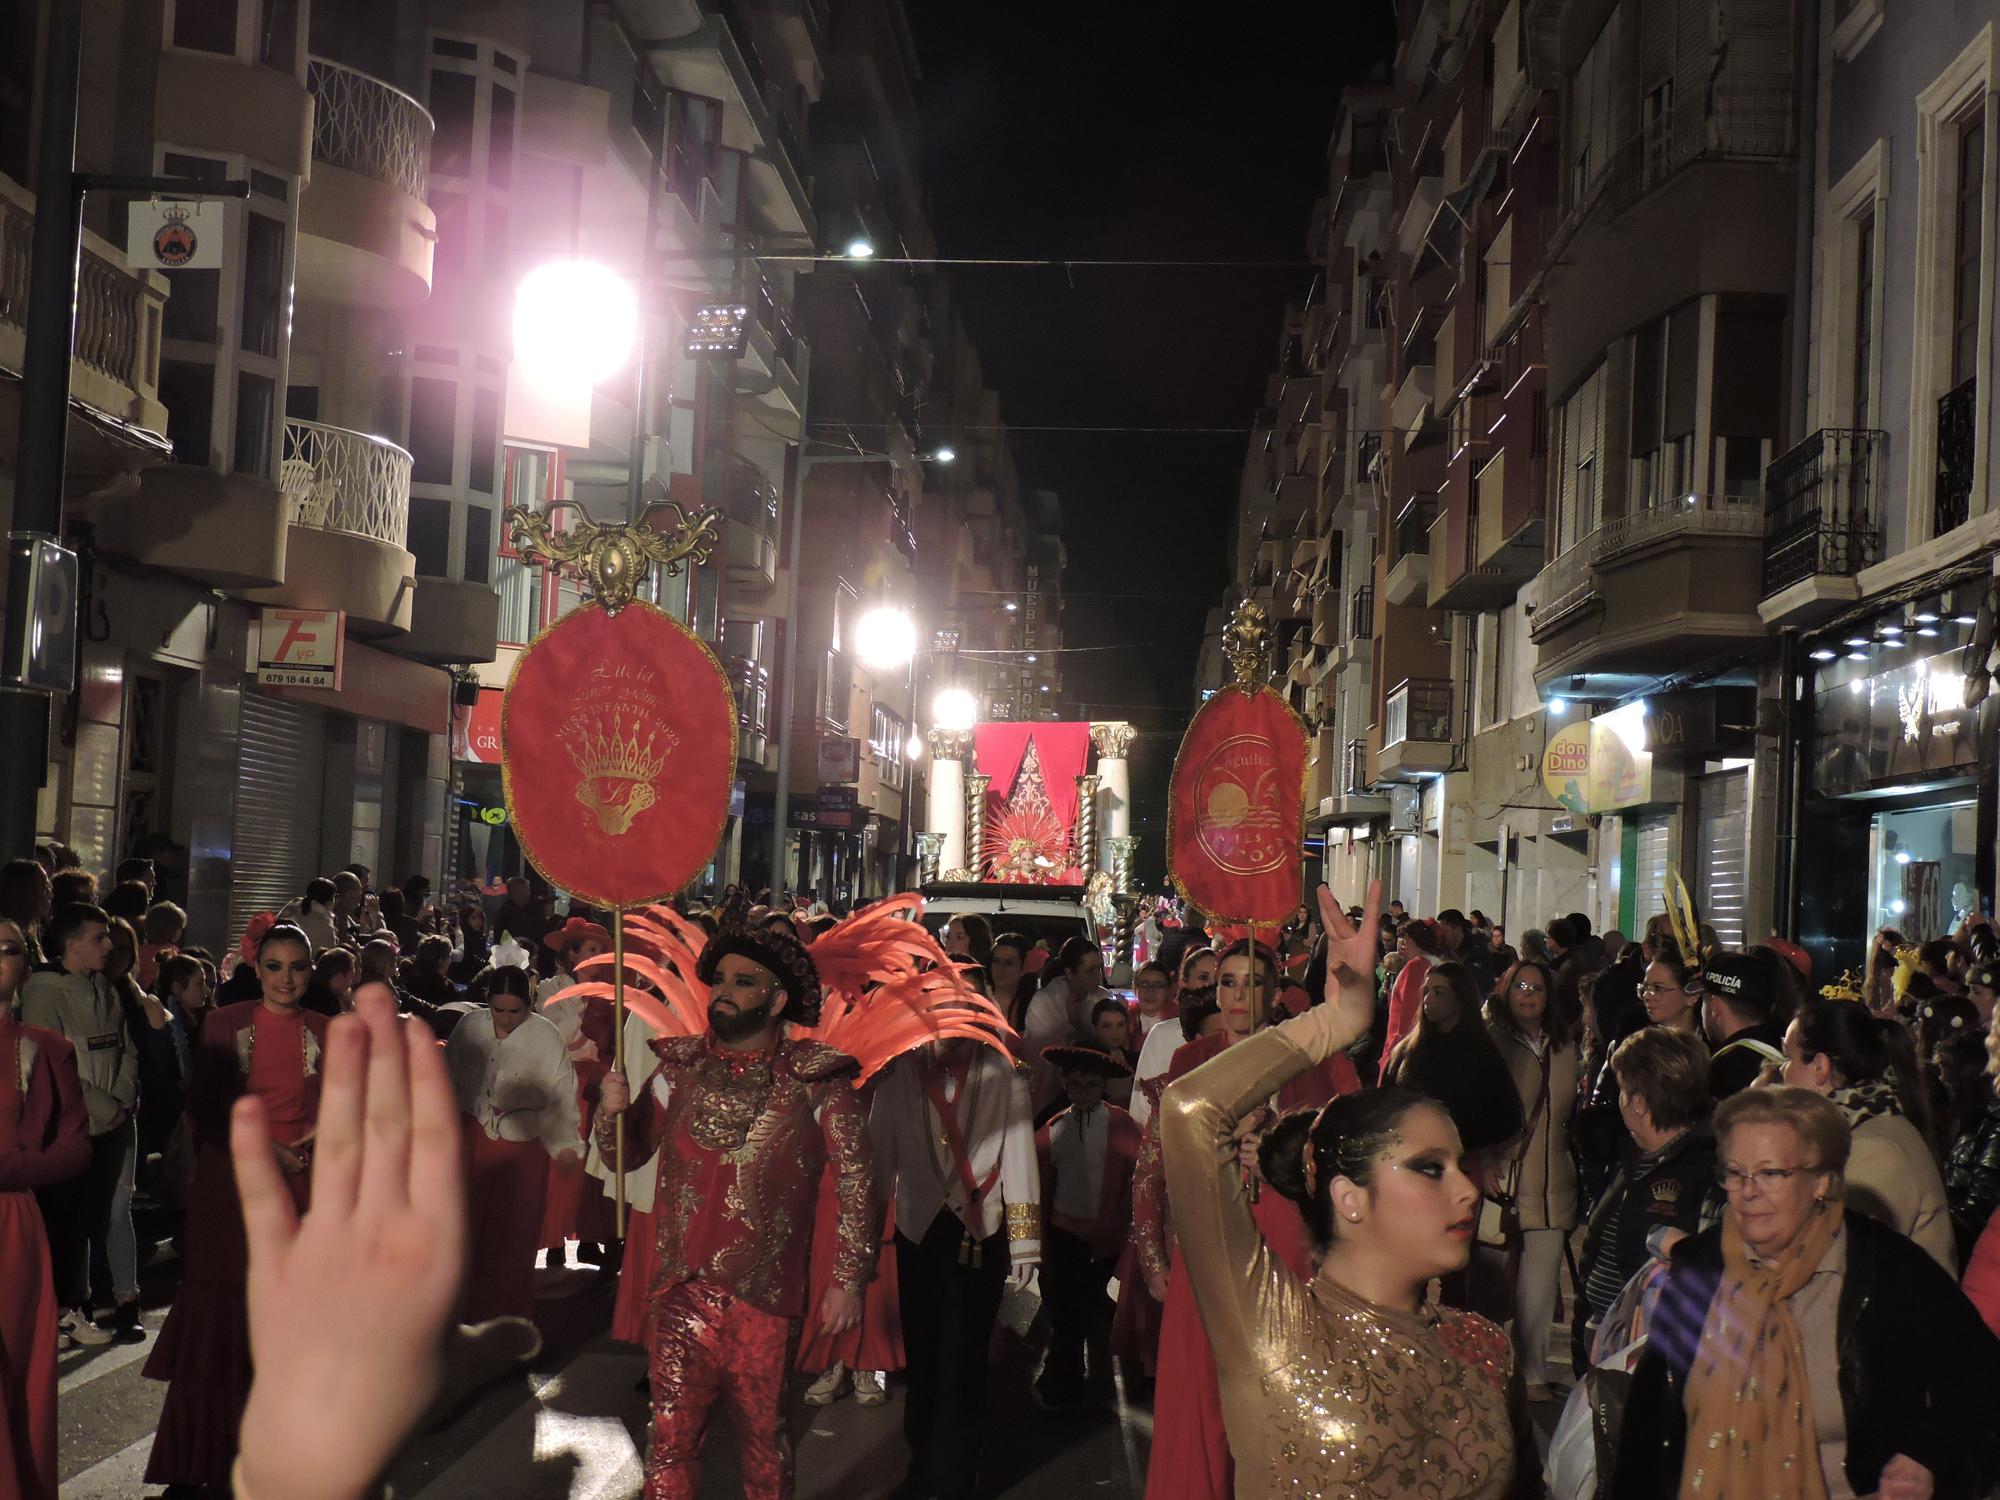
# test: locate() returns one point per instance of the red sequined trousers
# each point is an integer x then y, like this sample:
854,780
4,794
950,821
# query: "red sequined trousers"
708,1344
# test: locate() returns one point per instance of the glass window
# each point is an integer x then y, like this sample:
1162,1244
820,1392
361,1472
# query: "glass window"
194,309
256,413
1965,284
449,259
452,96
433,415
445,46
269,185
430,535
500,138
520,588
205,25
187,390
485,438
1924,871
478,544
264,285
302,403
202,168
1864,316
278,35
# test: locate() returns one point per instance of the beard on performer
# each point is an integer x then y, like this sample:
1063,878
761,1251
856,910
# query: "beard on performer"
733,1025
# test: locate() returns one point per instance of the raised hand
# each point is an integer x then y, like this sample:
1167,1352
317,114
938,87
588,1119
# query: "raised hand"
348,1305
1351,955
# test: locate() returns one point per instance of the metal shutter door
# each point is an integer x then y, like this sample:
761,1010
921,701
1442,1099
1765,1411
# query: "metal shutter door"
1649,877
280,788
1722,855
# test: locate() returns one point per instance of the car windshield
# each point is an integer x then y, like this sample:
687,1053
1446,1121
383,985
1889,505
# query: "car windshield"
1050,929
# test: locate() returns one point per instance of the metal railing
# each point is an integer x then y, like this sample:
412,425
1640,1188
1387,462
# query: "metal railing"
1563,584
1361,615
111,302
1822,516
367,126
1413,526
340,480
1952,500
1689,515
1417,709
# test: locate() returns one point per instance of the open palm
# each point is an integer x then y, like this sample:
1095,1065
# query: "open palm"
1351,954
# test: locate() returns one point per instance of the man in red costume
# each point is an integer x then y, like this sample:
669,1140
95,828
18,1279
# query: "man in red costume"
745,1119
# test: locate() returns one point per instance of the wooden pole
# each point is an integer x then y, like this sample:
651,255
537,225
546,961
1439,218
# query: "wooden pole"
618,1054
1256,1023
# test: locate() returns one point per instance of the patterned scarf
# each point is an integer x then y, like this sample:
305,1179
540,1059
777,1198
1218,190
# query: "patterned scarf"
1866,1101
1750,1414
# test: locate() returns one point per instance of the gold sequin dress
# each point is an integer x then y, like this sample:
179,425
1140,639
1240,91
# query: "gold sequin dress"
1323,1394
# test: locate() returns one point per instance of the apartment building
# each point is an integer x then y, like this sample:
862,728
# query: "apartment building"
335,421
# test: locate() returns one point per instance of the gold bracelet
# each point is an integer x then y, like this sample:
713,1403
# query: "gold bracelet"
1024,1221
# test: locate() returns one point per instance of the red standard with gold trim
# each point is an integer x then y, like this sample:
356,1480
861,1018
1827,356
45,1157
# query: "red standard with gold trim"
618,754
1236,812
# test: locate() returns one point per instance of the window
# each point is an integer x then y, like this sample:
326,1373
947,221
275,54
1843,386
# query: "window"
485,438
433,407
1863,312
1578,431
1665,354
500,141
430,536
1589,118
452,104
264,284
256,412
478,544
187,390
1967,234
277,42
525,591
259,31
1657,126
205,25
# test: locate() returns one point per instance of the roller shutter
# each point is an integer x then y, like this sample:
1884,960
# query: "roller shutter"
280,791
1649,875
1722,853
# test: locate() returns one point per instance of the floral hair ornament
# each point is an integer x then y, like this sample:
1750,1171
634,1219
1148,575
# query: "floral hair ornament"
253,934
509,954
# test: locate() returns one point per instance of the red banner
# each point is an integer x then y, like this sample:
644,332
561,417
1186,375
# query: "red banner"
1236,812
618,754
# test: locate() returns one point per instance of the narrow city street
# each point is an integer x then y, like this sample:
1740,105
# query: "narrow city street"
571,1425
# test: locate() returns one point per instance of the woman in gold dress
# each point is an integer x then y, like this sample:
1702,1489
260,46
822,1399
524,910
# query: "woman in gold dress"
1352,1384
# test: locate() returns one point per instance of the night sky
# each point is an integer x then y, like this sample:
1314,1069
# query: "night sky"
1110,129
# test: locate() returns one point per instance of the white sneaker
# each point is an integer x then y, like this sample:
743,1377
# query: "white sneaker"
868,1388
829,1387
78,1327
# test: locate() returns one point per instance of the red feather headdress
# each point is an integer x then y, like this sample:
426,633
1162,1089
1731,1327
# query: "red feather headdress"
887,986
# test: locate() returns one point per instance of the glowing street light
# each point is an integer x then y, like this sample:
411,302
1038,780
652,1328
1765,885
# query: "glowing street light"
859,248
575,325
954,709
885,637
945,454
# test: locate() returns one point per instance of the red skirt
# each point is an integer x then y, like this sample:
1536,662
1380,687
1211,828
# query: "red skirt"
203,1352
631,1315
573,1206
27,1354
1135,1325
504,1184
876,1342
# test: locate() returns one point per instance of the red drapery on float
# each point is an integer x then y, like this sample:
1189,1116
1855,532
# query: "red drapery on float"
1236,812
1031,798
618,752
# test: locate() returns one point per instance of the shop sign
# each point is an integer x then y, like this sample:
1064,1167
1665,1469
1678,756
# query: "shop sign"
1600,765
837,799
301,648
839,759
166,236
1566,765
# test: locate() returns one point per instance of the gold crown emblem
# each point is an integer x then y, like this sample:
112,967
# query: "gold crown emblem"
1846,987
618,768
175,213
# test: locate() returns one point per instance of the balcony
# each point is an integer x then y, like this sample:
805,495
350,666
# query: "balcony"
750,682
1358,798
1956,439
1416,729
1823,524
366,236
750,528
769,368
345,548
117,420
452,622
1409,574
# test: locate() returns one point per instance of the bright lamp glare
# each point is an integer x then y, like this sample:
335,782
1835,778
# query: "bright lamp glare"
945,454
955,709
1010,606
915,747
859,249
885,637
574,325
1558,705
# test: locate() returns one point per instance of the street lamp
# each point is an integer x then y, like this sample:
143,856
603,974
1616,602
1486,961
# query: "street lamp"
945,453
886,638
576,323
859,248
954,709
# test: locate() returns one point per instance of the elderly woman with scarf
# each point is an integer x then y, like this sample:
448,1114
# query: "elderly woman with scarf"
1868,1068
1784,1356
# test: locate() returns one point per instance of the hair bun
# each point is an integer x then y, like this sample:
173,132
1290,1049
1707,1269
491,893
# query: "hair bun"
1281,1155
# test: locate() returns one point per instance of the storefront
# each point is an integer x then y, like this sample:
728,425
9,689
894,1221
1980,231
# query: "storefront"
1897,823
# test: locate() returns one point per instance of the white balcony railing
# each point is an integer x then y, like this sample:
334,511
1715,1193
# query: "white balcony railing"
339,480
366,126
1682,515
111,302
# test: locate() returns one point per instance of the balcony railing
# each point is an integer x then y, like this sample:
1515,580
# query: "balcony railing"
1692,515
1955,443
751,682
1822,508
1417,709
1413,526
111,302
1361,618
337,480
1354,768
362,124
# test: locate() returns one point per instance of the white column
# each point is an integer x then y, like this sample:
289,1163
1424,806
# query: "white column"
1114,786
946,814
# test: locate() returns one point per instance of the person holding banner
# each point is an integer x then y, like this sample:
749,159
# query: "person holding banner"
1345,1380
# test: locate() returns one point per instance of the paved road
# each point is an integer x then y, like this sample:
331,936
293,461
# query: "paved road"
571,1426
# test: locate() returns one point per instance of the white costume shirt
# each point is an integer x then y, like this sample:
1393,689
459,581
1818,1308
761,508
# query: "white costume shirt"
521,1088
914,1161
1155,1056
641,1072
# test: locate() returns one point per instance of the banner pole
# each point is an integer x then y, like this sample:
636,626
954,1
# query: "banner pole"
1257,1024
618,1053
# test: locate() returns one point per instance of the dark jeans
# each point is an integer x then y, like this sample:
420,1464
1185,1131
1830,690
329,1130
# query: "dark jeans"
948,1311
1073,1294
78,1216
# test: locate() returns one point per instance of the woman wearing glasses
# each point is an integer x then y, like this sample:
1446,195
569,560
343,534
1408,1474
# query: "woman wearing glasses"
1801,1350
1665,994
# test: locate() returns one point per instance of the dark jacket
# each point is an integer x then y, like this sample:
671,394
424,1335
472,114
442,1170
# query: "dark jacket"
1464,1072
1649,1192
1972,1178
1918,1369
1736,1064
